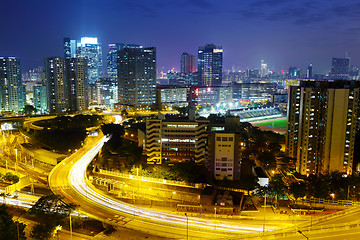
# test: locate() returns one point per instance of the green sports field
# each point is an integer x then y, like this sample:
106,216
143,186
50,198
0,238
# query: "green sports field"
279,123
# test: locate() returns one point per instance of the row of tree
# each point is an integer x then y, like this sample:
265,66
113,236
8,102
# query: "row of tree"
333,186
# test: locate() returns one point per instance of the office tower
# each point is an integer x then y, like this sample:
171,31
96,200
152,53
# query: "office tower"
322,120
77,81
340,68
40,99
137,76
70,48
309,72
187,63
210,60
263,69
12,91
175,141
56,84
90,49
111,68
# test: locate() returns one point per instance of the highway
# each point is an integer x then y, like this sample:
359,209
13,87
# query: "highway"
69,179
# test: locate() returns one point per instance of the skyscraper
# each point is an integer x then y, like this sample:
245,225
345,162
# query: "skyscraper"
322,120
111,68
66,84
187,63
90,49
137,76
263,69
40,99
12,91
56,85
340,68
77,80
309,72
210,65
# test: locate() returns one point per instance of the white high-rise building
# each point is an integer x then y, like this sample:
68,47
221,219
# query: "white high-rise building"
263,69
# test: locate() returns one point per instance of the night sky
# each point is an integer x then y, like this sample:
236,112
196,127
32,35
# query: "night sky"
282,32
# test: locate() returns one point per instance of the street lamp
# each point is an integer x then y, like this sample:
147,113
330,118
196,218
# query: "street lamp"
187,226
302,234
16,161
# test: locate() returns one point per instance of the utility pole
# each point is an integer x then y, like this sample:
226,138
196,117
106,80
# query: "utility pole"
187,226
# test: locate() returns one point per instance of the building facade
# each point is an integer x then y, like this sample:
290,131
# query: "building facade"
224,153
210,60
340,68
137,76
77,78
187,63
40,99
322,121
111,67
56,84
12,91
90,49
67,84
175,141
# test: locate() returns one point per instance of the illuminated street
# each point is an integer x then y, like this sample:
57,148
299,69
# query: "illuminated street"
69,179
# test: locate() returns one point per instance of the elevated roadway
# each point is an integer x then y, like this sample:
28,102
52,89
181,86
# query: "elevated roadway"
69,179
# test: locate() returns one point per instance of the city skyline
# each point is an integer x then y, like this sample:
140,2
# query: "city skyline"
281,33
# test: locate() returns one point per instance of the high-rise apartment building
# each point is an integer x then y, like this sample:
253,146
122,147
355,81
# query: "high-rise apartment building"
137,76
340,68
12,91
175,141
210,60
40,99
77,80
187,63
90,49
56,84
322,120
66,83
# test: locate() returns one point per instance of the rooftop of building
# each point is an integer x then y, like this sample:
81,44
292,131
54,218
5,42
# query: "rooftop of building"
330,84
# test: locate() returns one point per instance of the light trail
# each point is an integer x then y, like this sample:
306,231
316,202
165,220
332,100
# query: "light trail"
69,179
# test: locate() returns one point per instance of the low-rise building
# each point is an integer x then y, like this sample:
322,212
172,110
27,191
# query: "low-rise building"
175,140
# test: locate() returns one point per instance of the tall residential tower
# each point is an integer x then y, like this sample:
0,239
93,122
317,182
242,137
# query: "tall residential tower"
12,91
137,76
322,120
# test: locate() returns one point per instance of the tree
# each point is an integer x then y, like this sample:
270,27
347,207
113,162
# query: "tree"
298,189
124,113
50,209
267,159
43,231
29,110
9,228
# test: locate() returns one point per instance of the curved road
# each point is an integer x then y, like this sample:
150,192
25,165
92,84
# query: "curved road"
69,179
